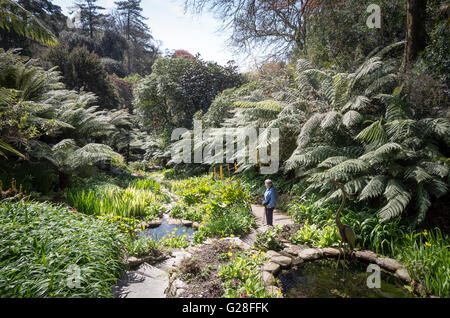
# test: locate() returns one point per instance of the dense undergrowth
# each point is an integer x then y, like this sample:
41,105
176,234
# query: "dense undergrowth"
49,251
221,208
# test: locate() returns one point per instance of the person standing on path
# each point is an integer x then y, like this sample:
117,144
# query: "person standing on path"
270,201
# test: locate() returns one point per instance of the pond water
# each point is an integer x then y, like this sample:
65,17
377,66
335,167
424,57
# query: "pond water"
165,229
322,280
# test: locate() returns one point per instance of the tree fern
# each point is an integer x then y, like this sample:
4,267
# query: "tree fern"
13,17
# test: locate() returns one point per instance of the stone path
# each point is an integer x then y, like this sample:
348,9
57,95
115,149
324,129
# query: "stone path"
279,218
147,281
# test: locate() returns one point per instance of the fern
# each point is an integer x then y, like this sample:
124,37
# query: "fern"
14,17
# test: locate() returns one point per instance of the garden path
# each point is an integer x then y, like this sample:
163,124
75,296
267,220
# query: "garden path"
279,218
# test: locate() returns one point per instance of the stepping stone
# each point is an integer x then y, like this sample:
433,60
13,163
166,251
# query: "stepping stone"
284,261
368,256
329,251
292,249
272,253
268,278
273,268
403,274
310,254
388,263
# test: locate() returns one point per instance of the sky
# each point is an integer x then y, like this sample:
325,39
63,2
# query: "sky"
177,30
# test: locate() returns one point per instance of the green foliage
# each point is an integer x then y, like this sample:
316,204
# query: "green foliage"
269,240
241,277
426,254
137,199
312,235
141,246
177,89
395,156
16,18
427,257
39,243
83,69
339,38
222,208
175,241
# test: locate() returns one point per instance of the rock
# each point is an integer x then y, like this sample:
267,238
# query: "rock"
297,261
329,251
420,289
292,250
268,278
186,223
264,229
271,253
274,290
146,282
273,268
282,260
368,256
133,261
403,274
179,292
388,263
310,254
153,224
179,284
195,225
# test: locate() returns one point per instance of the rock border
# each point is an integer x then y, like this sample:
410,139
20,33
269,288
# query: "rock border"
293,255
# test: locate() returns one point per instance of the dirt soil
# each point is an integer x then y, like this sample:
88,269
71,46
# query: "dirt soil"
201,271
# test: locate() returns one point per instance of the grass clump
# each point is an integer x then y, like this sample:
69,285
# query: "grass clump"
49,251
241,277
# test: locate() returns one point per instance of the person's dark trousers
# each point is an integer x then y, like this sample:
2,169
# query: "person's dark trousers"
269,216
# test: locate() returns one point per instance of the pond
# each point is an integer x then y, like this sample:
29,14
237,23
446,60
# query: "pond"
165,229
322,280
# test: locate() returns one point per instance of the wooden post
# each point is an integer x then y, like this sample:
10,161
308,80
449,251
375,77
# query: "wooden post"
221,173
215,174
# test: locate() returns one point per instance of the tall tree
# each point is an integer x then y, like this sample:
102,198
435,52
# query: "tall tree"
90,17
276,24
134,28
415,30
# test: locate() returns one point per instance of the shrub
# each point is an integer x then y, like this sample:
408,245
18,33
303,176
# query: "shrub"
427,257
42,246
241,277
141,246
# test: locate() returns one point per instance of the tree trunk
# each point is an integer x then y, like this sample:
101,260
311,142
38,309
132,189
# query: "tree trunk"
64,180
415,30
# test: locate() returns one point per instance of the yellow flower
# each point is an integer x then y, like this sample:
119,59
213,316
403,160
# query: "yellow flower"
425,233
330,220
255,256
230,254
427,244
232,235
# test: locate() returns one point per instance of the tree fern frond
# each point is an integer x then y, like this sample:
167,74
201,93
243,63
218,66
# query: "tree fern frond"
374,188
373,133
352,118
